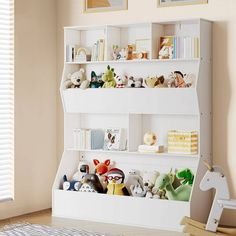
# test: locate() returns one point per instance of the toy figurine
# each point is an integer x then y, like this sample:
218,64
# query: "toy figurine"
115,178
70,185
108,78
96,80
83,169
91,184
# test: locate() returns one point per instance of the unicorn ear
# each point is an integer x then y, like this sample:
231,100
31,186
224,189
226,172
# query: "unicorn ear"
210,168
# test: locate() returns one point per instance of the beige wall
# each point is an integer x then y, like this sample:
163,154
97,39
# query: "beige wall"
222,12
35,106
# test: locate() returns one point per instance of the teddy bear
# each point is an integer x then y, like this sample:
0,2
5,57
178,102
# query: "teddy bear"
135,82
149,179
121,81
96,80
77,80
108,78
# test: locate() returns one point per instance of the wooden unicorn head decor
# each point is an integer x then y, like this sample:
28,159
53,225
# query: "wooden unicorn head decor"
215,178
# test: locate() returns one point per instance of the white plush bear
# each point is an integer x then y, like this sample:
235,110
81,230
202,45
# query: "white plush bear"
149,179
77,80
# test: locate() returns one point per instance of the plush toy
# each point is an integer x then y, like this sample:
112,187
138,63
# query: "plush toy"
83,169
179,80
91,184
154,82
182,193
186,176
160,82
149,138
149,179
77,80
133,178
137,190
121,81
70,185
96,80
135,82
108,78
115,178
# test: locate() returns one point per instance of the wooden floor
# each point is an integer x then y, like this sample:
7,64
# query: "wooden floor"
44,217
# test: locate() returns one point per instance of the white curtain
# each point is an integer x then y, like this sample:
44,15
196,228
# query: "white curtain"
6,100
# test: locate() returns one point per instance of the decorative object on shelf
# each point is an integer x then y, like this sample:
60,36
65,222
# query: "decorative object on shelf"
82,55
181,193
184,142
115,139
116,52
77,80
149,179
83,169
91,6
137,190
179,80
142,47
115,179
170,3
96,80
133,178
91,184
130,50
70,52
149,138
154,82
70,185
98,50
151,149
139,55
121,81
109,78
166,47
186,176
135,82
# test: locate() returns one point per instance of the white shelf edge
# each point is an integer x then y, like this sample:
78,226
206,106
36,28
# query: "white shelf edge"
133,61
165,154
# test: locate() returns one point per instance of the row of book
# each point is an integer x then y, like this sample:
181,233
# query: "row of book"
98,50
179,47
93,139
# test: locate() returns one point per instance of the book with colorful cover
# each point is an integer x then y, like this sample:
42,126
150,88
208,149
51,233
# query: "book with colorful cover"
166,47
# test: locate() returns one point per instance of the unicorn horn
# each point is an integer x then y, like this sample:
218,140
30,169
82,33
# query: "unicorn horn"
210,168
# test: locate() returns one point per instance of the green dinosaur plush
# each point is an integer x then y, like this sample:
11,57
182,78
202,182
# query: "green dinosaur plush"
182,193
186,175
109,78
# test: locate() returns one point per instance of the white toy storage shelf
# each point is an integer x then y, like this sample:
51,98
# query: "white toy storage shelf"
138,111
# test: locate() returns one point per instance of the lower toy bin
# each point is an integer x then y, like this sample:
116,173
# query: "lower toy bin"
133,211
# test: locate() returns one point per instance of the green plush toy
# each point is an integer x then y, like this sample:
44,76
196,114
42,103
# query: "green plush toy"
164,182
109,78
186,176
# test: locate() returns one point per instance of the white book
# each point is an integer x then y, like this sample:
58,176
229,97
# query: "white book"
76,138
88,139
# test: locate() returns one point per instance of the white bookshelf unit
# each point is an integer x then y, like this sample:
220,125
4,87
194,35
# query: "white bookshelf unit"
138,110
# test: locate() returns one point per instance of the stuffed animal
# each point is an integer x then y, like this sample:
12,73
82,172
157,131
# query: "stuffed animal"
137,190
154,82
121,81
179,80
160,82
77,80
133,178
91,184
115,179
135,82
70,185
96,80
186,176
149,179
182,193
83,169
108,78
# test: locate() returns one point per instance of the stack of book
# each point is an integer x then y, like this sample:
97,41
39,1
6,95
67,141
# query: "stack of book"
88,139
179,47
98,50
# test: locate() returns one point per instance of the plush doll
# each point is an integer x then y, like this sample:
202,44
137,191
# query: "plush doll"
186,176
160,82
83,169
154,82
70,185
179,80
77,80
149,179
121,81
96,81
108,78
133,178
115,178
91,184
135,82
137,190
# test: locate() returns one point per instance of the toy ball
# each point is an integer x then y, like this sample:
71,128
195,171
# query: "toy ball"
149,138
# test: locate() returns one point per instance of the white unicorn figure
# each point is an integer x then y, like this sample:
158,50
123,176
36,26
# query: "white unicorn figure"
215,178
